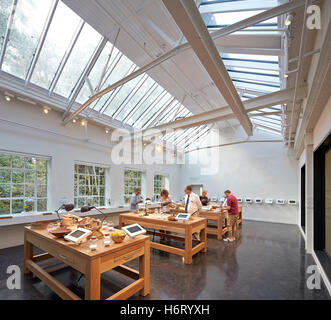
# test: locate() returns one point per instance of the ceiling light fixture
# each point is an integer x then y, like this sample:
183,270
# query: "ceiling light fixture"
83,123
46,110
285,75
288,20
158,148
107,130
8,96
74,120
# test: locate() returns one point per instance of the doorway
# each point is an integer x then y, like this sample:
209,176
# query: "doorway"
197,189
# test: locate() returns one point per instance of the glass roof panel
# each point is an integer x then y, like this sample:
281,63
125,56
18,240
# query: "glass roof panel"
5,10
79,58
61,32
29,20
98,69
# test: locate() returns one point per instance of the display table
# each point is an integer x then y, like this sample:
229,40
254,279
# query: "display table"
215,216
91,263
160,222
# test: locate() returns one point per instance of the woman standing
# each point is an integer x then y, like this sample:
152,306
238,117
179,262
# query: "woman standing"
166,202
204,199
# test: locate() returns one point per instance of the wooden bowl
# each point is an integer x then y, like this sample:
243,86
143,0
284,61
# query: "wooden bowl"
60,232
118,238
172,218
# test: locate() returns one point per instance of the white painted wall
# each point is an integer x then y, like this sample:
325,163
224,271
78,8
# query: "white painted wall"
257,170
45,135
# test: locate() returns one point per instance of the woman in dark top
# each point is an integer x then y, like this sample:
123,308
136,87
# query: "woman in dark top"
204,199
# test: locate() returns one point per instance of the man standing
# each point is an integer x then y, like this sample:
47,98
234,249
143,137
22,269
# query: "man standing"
192,205
134,200
233,213
192,201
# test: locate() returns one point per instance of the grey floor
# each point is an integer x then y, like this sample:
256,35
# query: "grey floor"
267,262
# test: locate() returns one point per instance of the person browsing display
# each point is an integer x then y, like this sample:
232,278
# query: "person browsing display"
204,199
232,207
135,200
166,202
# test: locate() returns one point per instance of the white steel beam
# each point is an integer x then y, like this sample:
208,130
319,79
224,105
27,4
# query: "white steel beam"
189,20
274,12
235,6
224,113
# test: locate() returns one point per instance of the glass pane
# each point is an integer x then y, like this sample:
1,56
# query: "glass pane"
4,176
59,36
18,190
42,177
4,190
4,206
42,205
29,190
17,206
18,176
135,99
80,56
29,20
42,191
5,10
5,160
18,162
145,104
97,70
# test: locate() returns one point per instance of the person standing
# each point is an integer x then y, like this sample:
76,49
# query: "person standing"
192,201
233,213
192,205
134,200
204,199
166,202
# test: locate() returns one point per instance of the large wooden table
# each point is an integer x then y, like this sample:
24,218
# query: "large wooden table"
217,217
187,228
91,263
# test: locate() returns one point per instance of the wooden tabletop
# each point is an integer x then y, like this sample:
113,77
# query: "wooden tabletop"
83,248
162,217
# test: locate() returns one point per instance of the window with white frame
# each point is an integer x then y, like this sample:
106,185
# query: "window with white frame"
23,184
90,185
132,181
160,183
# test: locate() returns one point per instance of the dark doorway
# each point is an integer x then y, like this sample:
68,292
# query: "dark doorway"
303,198
322,210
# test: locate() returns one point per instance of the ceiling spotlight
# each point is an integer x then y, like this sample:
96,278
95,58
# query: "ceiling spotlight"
107,130
158,148
46,110
8,96
285,75
83,123
289,19
74,120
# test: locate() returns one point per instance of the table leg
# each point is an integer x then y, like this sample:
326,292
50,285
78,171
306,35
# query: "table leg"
144,269
92,280
220,226
203,236
28,254
120,222
188,245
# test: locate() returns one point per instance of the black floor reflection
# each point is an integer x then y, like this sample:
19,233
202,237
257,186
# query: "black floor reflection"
267,261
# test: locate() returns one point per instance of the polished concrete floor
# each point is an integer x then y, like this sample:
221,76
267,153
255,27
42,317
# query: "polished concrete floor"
267,262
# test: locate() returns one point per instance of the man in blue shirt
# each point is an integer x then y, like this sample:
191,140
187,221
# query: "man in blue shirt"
134,200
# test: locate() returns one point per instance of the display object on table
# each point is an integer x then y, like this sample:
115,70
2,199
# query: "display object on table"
134,230
118,236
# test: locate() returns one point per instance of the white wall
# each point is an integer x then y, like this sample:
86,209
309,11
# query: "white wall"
254,170
45,135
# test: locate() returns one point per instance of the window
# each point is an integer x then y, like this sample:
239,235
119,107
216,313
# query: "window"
89,184
132,181
159,184
23,184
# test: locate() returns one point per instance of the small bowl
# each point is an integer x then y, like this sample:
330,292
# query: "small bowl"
172,218
118,238
60,232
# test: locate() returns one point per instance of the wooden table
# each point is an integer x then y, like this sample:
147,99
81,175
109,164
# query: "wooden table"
187,228
215,216
91,263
